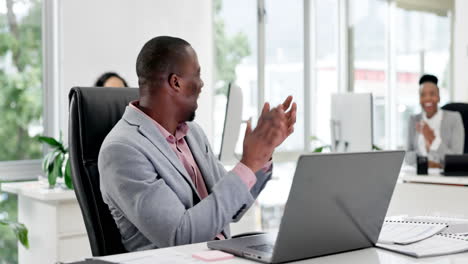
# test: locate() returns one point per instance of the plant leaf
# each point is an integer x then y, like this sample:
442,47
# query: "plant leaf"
56,171
52,176
59,164
20,231
64,163
68,178
50,161
319,149
50,141
53,171
375,147
45,162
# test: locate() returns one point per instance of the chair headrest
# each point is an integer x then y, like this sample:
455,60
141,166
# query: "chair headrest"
99,109
460,107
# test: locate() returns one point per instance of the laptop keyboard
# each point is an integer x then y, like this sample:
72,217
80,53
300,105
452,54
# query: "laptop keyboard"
263,248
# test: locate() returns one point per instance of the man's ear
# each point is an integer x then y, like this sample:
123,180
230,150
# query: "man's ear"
174,81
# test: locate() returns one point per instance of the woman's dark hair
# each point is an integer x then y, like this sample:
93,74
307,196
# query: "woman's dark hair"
428,78
105,76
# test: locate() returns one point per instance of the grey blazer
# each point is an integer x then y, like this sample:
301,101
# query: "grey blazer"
452,134
151,196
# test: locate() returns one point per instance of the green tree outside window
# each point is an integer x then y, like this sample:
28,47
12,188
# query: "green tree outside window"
20,100
230,50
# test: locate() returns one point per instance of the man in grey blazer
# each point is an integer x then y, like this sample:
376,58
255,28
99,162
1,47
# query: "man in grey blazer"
435,132
159,176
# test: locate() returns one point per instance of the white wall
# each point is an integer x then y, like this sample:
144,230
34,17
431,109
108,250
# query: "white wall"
461,51
106,35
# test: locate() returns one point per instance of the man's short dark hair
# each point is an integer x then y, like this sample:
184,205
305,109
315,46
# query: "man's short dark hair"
428,78
159,56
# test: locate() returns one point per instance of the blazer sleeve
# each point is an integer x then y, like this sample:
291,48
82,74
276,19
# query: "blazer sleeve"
156,210
457,138
262,179
410,157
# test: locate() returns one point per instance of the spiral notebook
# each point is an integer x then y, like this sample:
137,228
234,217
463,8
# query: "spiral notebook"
457,226
434,246
407,232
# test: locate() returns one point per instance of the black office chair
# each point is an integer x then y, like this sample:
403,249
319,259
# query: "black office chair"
462,108
93,113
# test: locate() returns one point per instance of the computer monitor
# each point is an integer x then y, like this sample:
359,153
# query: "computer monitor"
351,122
232,124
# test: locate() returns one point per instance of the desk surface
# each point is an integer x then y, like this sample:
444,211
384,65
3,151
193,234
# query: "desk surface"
363,256
39,191
434,176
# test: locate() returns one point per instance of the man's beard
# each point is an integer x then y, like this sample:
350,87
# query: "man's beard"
191,117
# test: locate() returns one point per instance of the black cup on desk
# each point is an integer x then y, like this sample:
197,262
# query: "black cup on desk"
421,165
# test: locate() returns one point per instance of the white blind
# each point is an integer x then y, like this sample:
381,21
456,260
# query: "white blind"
439,7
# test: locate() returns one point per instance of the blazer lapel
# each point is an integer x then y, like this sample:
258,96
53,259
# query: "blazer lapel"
199,152
418,119
444,127
149,130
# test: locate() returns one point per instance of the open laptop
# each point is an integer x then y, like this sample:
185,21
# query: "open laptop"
337,203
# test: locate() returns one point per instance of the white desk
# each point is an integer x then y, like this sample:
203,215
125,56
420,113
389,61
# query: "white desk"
434,176
431,194
57,232
56,229
363,256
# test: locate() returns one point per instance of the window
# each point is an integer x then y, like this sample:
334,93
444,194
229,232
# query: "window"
20,98
236,60
284,61
368,49
326,65
20,80
408,67
381,47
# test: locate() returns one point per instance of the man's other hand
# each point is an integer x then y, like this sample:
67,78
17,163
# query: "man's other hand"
273,127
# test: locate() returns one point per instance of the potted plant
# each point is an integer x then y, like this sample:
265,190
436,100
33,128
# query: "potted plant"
56,164
321,145
20,231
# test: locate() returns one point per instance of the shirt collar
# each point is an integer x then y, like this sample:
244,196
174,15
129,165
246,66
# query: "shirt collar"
181,130
436,117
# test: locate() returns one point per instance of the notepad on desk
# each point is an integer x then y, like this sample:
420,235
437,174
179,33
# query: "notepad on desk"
456,225
434,246
407,232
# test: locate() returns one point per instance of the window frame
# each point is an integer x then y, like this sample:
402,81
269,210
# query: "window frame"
19,170
345,67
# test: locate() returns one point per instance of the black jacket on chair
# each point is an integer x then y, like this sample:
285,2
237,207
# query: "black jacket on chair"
93,113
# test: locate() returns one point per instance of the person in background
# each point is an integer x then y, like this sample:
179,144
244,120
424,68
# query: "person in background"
434,133
110,79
